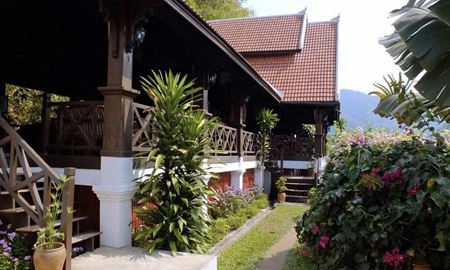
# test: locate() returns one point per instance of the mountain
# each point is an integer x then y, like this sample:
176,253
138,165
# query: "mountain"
357,110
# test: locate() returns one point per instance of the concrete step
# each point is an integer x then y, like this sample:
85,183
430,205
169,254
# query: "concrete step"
35,228
297,192
299,186
15,210
295,198
297,177
2,193
88,238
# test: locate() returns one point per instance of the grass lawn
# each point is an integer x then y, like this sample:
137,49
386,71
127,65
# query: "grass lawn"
295,261
245,253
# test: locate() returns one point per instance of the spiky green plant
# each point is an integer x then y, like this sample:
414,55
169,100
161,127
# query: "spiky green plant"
399,100
51,233
175,193
267,120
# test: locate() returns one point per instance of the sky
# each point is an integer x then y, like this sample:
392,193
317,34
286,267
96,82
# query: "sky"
362,60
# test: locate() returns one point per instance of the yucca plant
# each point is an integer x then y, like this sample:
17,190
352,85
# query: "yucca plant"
267,120
175,194
399,100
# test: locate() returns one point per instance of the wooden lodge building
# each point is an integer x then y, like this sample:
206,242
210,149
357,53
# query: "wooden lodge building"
95,51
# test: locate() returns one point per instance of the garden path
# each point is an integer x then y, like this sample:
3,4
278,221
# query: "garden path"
276,256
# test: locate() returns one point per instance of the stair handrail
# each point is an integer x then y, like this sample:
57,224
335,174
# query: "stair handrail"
19,153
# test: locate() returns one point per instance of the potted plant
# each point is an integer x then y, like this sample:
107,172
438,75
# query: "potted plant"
281,188
311,168
267,120
49,252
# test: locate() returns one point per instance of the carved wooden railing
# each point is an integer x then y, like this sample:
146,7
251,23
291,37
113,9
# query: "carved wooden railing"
141,135
223,140
17,178
79,127
286,147
249,143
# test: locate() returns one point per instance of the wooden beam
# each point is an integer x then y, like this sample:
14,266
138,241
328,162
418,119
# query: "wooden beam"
319,136
238,121
118,94
45,122
67,214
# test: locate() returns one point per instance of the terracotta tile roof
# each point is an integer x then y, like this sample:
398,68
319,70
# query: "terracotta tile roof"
263,34
306,75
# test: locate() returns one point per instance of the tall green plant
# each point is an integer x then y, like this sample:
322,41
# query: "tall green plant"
175,193
267,121
400,101
420,46
51,234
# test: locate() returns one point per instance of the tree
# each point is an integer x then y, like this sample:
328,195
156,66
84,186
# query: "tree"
25,105
220,9
267,120
175,194
399,100
421,47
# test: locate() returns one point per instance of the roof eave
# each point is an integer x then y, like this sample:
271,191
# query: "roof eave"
313,103
182,9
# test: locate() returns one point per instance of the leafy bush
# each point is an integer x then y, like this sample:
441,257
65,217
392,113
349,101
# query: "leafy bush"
281,184
15,249
384,203
230,200
175,194
267,120
228,217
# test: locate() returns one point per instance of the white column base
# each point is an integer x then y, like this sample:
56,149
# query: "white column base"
259,178
237,179
115,192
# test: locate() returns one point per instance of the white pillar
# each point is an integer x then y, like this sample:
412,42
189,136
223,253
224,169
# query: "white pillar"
259,177
115,192
237,179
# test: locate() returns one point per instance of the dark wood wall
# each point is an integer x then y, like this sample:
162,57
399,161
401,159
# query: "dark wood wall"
86,203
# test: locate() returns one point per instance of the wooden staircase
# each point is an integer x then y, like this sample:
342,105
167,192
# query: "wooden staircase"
298,187
25,192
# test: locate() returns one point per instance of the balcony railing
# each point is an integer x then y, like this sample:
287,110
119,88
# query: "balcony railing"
78,130
223,140
141,127
249,143
79,127
292,148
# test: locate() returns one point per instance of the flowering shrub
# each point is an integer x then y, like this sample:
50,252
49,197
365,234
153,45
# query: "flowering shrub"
230,200
15,249
384,203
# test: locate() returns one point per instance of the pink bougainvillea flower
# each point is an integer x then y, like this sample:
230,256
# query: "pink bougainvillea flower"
394,258
393,177
323,242
315,229
413,190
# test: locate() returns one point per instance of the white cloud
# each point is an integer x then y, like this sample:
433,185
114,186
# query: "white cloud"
362,61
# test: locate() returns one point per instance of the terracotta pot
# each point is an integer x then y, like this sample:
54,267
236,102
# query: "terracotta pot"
49,259
281,197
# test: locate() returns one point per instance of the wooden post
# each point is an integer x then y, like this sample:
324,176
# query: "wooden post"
118,94
237,120
3,93
319,136
45,118
67,214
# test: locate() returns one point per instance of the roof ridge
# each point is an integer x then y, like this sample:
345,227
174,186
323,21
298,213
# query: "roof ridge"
334,20
300,14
